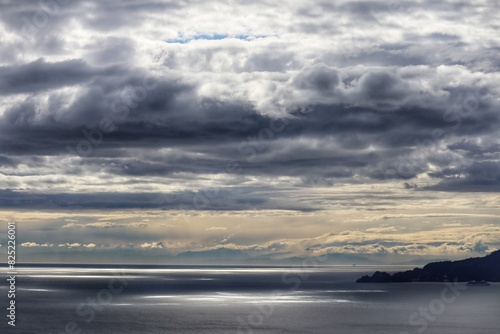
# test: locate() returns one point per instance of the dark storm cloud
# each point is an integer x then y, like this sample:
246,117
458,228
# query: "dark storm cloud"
364,11
106,93
40,75
479,176
223,131
382,86
319,78
206,199
474,151
5,161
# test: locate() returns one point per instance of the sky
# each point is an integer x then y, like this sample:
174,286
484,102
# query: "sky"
235,132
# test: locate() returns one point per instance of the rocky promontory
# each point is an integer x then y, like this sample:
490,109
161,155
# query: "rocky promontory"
481,268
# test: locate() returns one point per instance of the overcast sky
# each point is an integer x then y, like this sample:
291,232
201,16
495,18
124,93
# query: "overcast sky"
134,131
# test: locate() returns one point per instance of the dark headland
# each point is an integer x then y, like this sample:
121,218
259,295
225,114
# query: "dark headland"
480,268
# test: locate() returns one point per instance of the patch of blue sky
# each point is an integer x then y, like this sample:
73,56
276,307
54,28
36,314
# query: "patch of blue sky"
212,37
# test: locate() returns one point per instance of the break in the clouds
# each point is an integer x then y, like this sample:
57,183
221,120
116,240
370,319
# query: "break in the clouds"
228,106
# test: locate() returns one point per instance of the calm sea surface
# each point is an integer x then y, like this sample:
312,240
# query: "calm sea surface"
242,300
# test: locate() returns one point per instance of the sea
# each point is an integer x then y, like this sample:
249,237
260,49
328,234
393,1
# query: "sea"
240,299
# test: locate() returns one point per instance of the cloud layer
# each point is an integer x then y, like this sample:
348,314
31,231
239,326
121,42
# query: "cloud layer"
227,106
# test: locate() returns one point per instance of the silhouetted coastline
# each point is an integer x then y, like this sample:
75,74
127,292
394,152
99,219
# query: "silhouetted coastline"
481,268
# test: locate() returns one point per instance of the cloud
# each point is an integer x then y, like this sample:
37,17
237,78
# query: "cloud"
319,78
34,244
70,245
105,225
383,229
216,228
152,245
76,245
39,76
220,107
478,176
30,244
329,122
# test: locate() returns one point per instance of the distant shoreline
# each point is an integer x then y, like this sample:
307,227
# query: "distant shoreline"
473,269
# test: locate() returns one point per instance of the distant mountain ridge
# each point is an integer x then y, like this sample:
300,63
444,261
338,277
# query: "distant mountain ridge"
480,268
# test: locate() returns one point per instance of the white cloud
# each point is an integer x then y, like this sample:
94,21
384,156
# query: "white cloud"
70,245
152,245
216,228
30,244
34,244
